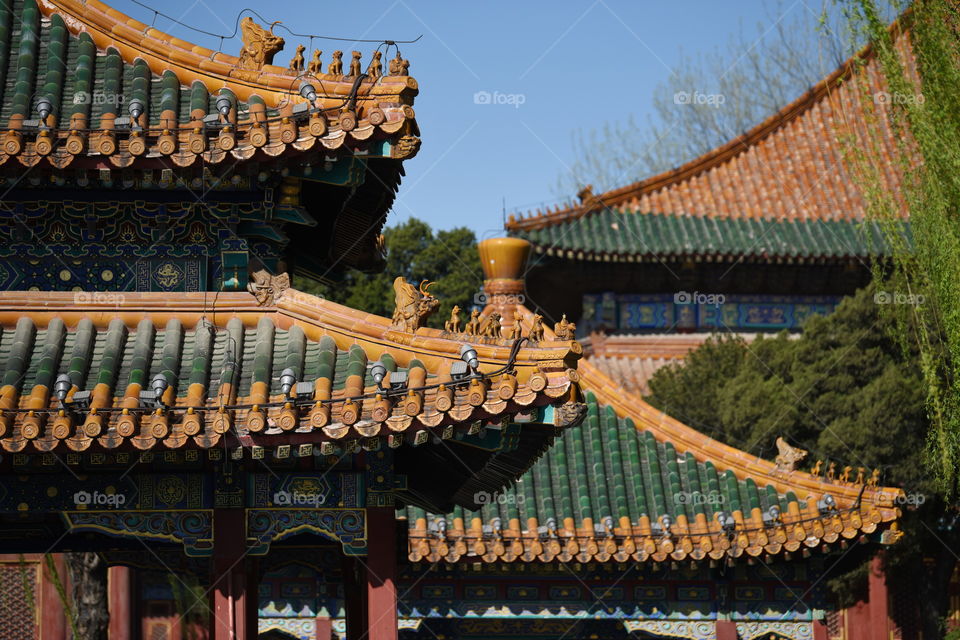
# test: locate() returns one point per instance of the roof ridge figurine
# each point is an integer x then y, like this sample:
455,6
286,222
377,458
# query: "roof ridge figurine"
259,44
412,305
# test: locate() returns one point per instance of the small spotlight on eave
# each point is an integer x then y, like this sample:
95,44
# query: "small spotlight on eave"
159,384
826,504
287,380
224,104
44,108
62,387
469,355
308,91
378,371
136,108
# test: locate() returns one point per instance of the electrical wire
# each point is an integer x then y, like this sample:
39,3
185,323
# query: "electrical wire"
236,28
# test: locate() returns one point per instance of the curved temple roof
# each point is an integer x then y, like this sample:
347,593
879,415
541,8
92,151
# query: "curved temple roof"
222,356
91,62
633,483
786,181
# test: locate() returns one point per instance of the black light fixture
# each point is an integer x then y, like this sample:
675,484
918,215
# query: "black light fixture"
224,104
44,108
158,385
308,91
667,521
61,388
378,371
826,504
467,366
771,516
136,110
727,522
469,355
287,380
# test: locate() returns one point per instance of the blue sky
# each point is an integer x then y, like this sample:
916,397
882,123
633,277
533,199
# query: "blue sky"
549,68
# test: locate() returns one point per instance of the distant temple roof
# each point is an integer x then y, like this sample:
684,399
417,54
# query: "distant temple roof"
632,359
92,64
633,483
782,189
612,235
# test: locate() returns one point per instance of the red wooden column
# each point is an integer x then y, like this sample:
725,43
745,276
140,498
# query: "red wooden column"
354,597
381,573
53,620
726,630
879,600
119,600
231,616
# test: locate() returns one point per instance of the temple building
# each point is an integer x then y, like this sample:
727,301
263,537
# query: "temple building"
167,400
752,237
252,461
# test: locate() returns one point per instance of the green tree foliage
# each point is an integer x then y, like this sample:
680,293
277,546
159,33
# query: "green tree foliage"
447,258
924,116
847,392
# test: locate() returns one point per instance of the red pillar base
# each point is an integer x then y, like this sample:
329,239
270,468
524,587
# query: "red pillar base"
726,630
820,631
879,600
324,628
381,574
231,613
119,594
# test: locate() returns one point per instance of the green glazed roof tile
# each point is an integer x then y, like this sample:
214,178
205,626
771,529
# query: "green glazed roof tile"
612,232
